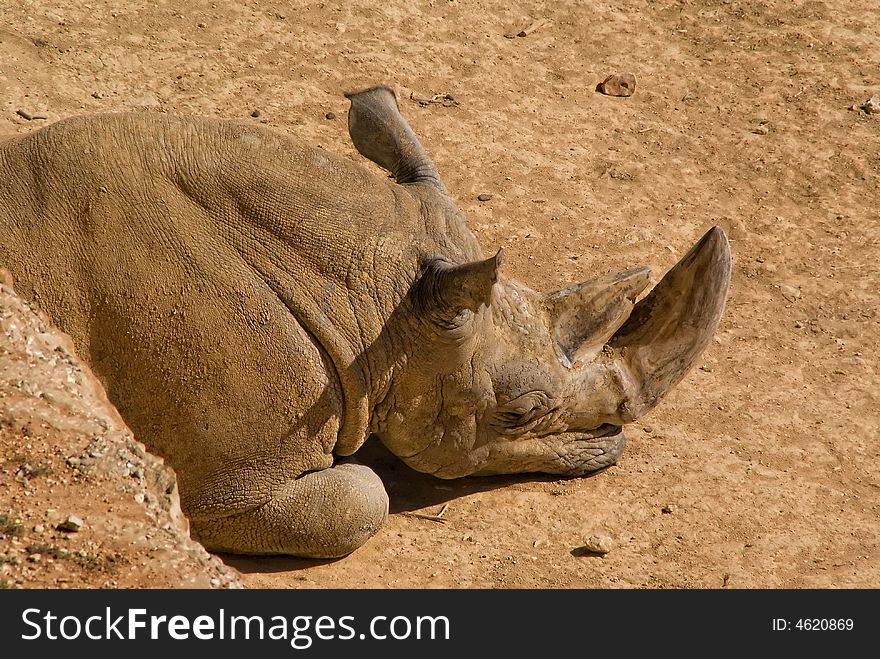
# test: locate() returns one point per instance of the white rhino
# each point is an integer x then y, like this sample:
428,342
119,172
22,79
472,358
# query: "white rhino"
256,308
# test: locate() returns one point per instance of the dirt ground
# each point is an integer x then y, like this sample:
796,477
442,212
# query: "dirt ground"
762,469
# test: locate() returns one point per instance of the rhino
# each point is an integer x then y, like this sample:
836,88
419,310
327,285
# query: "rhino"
256,308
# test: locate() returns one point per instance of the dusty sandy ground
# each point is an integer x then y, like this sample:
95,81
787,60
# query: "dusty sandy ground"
746,115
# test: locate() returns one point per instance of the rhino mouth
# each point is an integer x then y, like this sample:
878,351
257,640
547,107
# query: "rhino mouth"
593,450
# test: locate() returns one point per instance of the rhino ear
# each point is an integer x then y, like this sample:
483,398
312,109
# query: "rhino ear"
445,290
583,317
379,132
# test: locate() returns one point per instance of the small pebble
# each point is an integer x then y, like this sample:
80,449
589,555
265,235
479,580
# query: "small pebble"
618,84
39,528
72,524
790,293
146,101
648,429
872,105
761,129
798,324
330,116
484,197
599,544
256,113
667,509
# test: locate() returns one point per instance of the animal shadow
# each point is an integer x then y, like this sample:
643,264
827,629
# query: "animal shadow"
408,490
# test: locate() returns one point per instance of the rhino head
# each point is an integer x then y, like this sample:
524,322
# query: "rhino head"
502,379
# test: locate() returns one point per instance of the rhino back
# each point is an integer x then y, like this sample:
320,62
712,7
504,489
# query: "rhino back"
204,267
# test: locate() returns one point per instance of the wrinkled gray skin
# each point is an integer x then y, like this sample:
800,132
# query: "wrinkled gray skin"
256,307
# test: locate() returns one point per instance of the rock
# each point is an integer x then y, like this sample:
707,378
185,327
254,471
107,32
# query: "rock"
667,509
531,28
39,528
484,197
72,524
146,101
256,113
789,292
761,129
618,84
872,105
330,116
598,544
648,429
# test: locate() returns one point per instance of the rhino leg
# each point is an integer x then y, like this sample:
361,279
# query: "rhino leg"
322,514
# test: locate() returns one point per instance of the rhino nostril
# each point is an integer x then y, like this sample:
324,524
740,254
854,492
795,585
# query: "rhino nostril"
625,412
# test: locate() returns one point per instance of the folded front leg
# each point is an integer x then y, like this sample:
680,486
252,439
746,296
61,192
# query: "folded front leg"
322,514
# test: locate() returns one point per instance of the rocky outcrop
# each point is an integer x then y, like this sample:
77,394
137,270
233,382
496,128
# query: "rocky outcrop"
82,503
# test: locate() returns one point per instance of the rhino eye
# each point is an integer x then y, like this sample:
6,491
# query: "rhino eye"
523,409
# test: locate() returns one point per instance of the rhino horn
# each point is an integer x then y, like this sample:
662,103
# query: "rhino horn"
585,316
380,133
669,329
446,289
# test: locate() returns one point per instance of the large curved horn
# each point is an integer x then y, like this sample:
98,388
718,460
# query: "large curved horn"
669,329
379,132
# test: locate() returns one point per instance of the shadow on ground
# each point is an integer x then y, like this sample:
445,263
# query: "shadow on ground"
408,490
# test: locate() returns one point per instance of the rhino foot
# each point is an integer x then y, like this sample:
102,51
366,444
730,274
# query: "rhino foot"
322,514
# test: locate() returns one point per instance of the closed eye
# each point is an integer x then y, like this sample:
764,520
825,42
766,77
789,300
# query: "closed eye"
523,411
